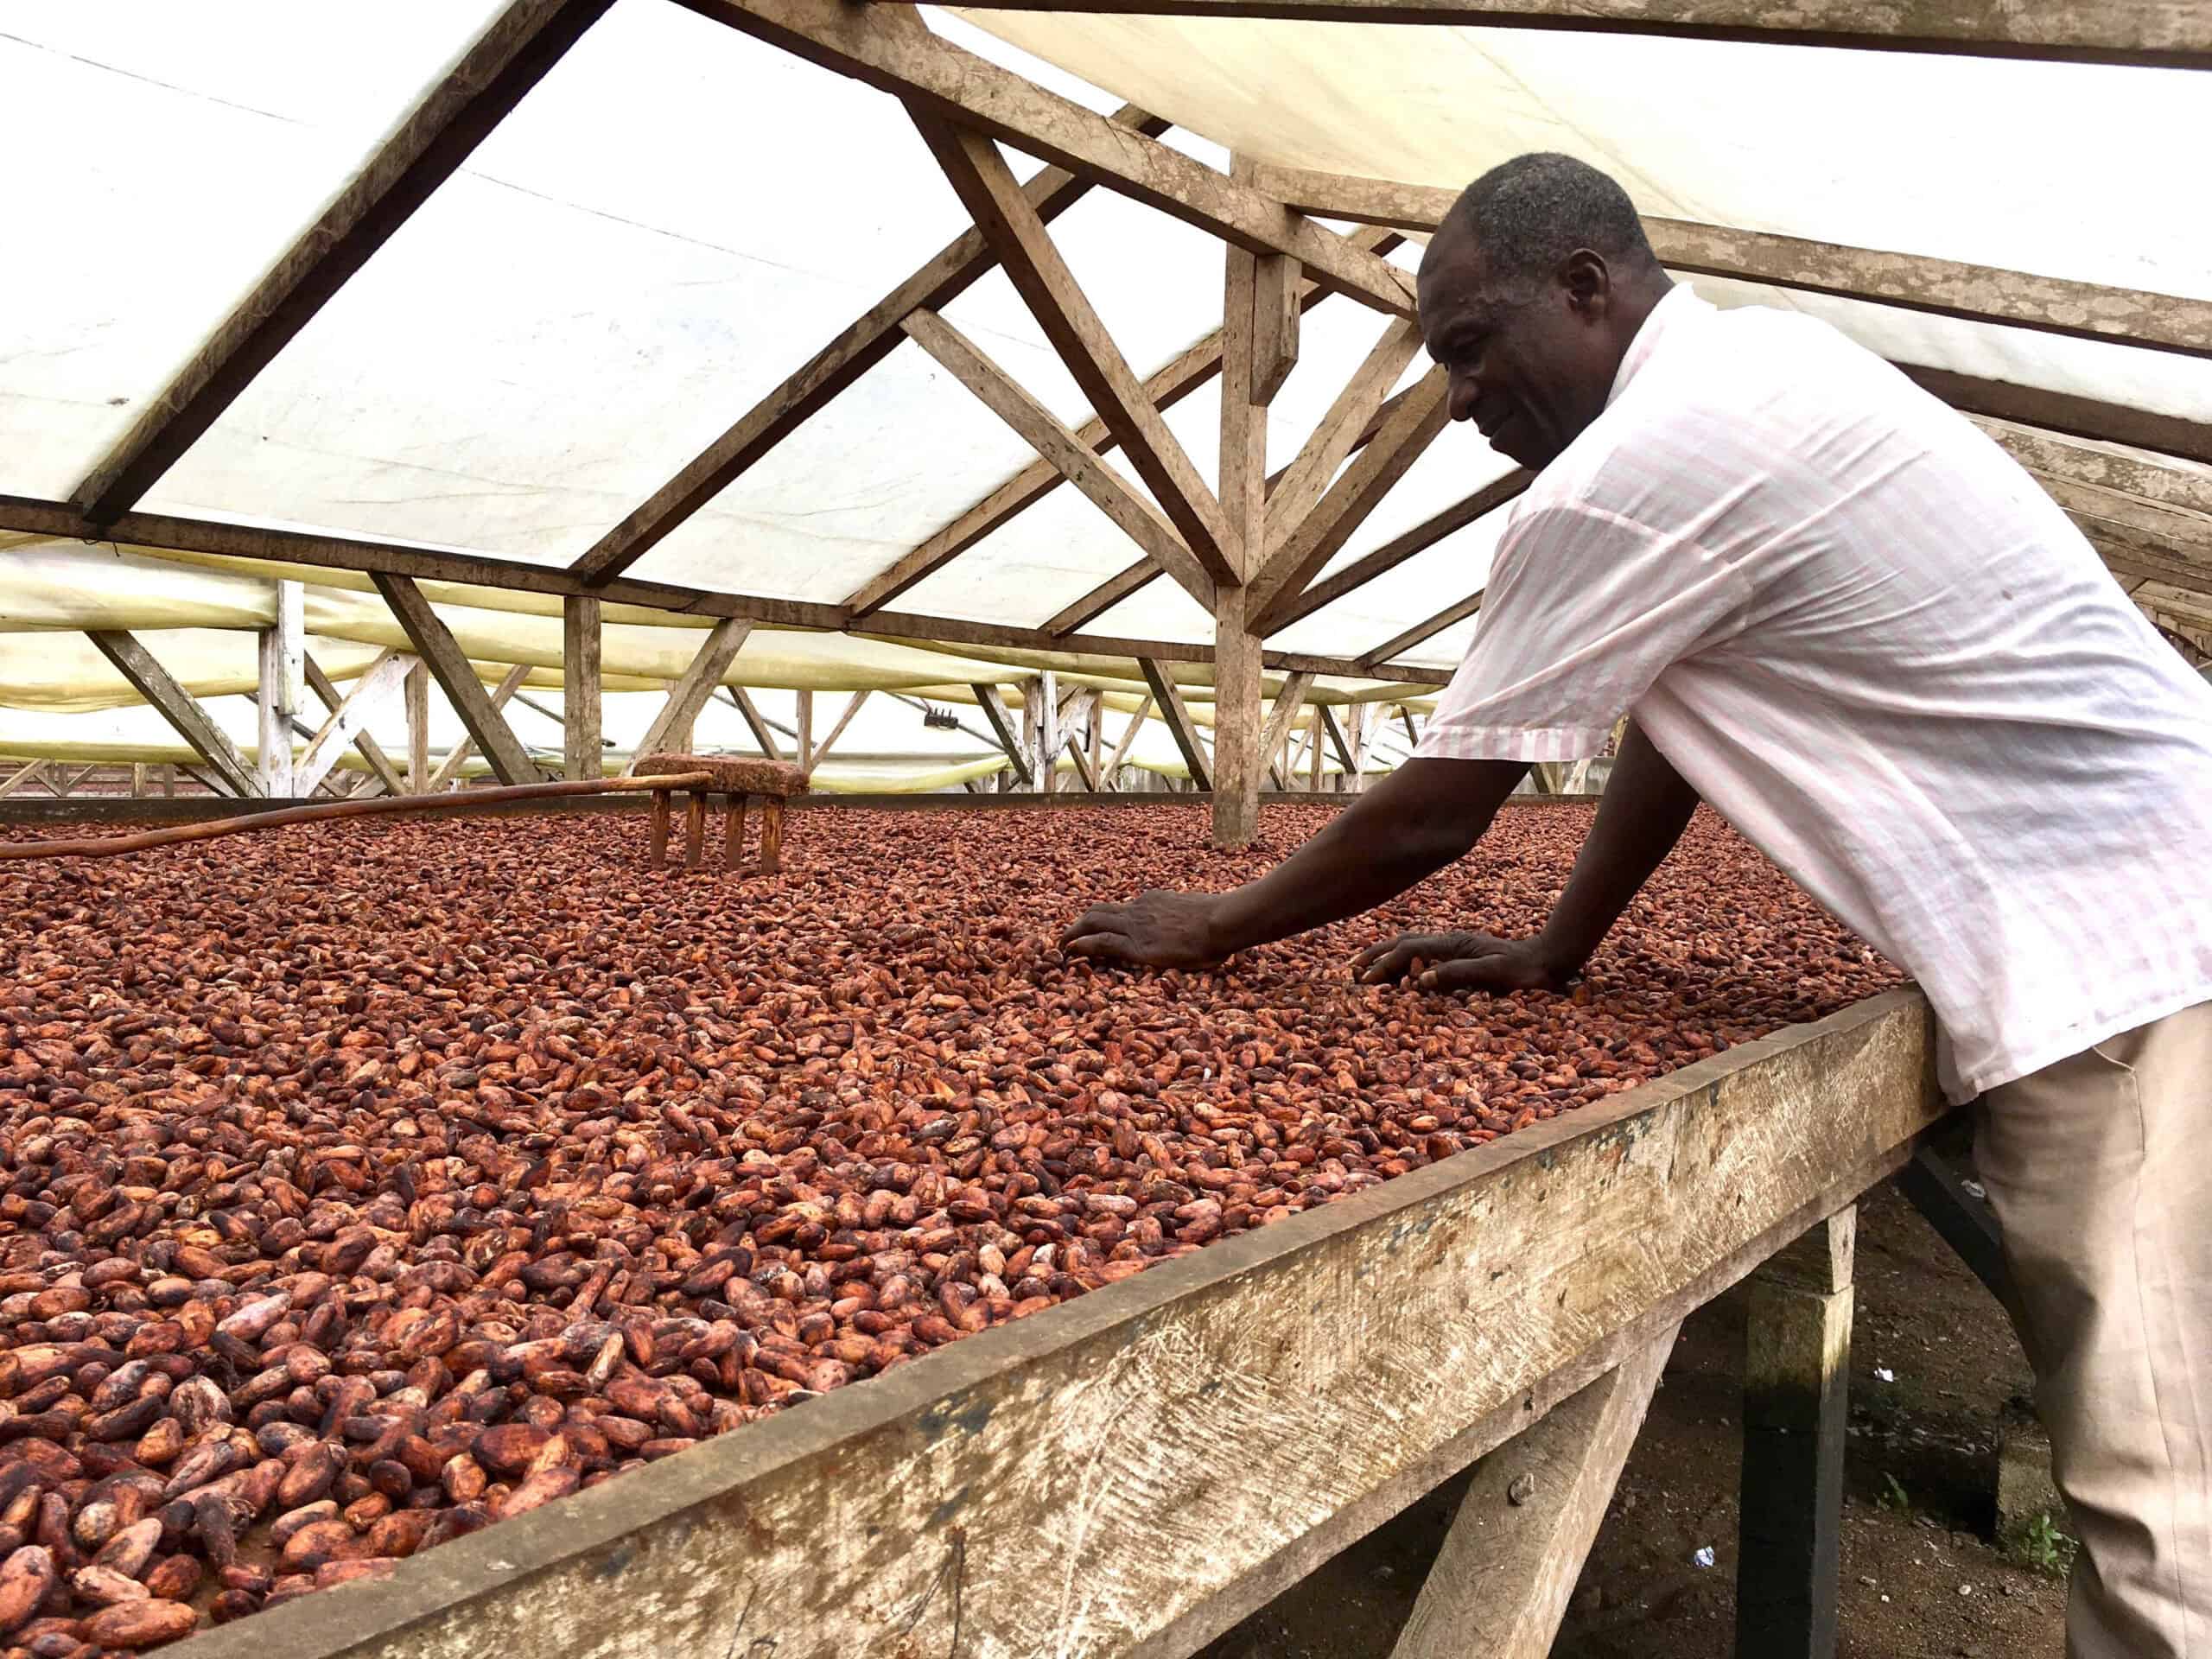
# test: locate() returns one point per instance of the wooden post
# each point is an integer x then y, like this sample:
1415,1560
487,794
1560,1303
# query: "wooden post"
168,782
1048,732
1314,754
138,781
1796,1378
282,647
1236,752
657,851
733,832
581,708
1499,1586
695,828
772,836
1031,732
418,728
805,730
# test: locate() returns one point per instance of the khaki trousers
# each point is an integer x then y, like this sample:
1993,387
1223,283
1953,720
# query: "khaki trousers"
2099,1170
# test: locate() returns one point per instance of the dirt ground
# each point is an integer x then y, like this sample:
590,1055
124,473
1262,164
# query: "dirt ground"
1921,1576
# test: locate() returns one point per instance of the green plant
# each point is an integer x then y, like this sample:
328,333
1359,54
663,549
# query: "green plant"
2043,1546
1893,1497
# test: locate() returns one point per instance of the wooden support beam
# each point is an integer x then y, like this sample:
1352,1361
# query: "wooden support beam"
582,704
870,339
1238,755
1426,630
2048,455
1244,425
1167,698
2155,32
851,708
1342,745
1962,1221
1946,288
1322,533
489,79
1796,1379
1346,424
742,701
986,188
1290,607
2065,413
803,703
448,770
418,728
1289,697
1042,694
279,650
1275,325
456,677
1103,598
1085,768
689,695
1188,371
885,49
380,766
180,707
1129,736
29,772
349,719
1142,522
1500,1583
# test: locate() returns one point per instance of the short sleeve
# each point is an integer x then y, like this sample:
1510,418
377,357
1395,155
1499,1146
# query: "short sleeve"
1585,609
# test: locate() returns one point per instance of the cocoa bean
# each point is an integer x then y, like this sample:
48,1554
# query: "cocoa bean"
134,1625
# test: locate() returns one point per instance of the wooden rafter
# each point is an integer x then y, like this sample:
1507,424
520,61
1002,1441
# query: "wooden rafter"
1428,629
992,701
807,391
1318,537
1167,698
348,721
1129,736
2051,456
2066,414
986,188
1946,288
1112,494
380,766
456,677
490,78
1289,697
179,707
1309,475
1190,370
2157,33
1295,606
885,49
690,691
457,757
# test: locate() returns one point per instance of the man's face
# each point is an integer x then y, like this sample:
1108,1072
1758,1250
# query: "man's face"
1530,366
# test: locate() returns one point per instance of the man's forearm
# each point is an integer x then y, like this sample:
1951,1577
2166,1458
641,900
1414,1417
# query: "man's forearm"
1413,823
1646,807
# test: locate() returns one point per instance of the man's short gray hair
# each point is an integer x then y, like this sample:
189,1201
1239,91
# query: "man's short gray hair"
1526,215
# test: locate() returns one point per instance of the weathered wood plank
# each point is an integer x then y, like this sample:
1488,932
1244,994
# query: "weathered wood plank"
852,706
879,46
1797,1379
689,695
490,78
582,705
2049,456
2169,34
1237,753
2066,413
1316,464
180,707
380,766
1129,735
809,388
742,701
1317,537
378,684
1136,517
1229,1409
1289,697
457,757
1428,628
278,652
992,702
986,188
1500,1584
1167,698
1291,606
456,677
1189,370
1946,288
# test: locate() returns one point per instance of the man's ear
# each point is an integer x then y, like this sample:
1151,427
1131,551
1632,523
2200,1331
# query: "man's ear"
1588,283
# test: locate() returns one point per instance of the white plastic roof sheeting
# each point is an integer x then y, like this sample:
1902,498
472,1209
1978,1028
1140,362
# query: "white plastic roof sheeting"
679,216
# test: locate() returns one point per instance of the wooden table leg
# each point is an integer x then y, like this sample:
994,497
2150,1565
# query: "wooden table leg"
695,828
1797,1373
733,833
772,836
659,854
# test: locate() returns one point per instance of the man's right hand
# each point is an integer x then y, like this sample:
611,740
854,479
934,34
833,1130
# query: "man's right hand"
1463,962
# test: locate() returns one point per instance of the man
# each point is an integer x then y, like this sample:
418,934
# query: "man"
1845,618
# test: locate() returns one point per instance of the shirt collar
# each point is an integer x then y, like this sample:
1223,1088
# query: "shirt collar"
1666,316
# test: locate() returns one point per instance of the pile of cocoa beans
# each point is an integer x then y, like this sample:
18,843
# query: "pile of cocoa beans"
363,1184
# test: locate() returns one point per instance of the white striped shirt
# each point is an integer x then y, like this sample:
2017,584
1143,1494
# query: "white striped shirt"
1872,644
